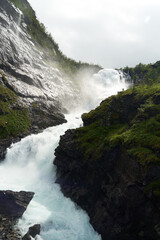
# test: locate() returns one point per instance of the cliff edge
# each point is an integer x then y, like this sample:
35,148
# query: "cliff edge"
111,166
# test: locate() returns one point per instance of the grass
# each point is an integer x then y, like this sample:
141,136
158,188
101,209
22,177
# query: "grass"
91,137
14,117
94,138
14,123
130,119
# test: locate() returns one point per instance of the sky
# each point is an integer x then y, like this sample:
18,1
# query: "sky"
111,33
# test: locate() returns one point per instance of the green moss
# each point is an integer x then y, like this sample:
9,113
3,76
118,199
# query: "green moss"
100,111
144,133
14,118
91,137
16,122
131,120
7,95
142,140
154,187
35,104
115,134
94,138
144,155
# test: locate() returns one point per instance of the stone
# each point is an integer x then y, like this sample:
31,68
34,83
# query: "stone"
13,204
32,232
26,237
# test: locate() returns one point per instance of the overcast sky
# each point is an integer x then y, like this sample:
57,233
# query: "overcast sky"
112,33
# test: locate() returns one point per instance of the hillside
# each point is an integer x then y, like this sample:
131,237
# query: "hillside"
37,82
44,40
144,73
111,166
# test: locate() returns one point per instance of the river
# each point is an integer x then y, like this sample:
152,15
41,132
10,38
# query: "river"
29,166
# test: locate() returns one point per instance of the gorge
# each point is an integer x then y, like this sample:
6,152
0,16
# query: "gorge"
28,166
92,178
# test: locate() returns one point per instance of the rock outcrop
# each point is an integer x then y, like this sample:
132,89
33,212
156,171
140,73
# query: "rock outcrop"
13,204
31,90
18,120
12,207
110,167
36,74
32,232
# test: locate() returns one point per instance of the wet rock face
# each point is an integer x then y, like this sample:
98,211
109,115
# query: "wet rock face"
32,232
24,65
38,115
112,191
28,76
12,207
120,193
4,144
43,116
13,204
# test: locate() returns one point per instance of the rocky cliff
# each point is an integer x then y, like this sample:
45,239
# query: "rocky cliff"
111,166
32,61
36,79
17,119
32,91
24,64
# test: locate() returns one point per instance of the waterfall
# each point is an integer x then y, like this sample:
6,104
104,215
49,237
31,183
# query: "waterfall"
105,83
19,23
29,166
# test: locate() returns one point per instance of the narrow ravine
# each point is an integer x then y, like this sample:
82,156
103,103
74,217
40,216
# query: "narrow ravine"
29,166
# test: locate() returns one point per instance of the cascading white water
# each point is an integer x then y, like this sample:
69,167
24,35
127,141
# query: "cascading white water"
105,83
29,166
18,24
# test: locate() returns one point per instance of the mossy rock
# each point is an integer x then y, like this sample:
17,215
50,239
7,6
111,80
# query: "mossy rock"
14,116
154,187
130,119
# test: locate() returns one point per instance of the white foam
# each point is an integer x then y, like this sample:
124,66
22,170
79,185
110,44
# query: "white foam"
29,166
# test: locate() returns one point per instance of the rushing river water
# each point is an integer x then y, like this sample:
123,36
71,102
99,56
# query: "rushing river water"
29,166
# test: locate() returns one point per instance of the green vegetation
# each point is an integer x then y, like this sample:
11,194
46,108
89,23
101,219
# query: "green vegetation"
45,41
145,73
91,139
154,187
14,118
130,120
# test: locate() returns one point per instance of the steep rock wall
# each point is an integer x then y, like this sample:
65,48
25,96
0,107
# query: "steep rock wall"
110,167
26,67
